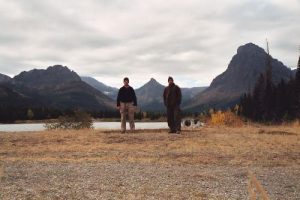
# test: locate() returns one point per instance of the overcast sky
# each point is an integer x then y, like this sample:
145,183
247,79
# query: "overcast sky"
191,40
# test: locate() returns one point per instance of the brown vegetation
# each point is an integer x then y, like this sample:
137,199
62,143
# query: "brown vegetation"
246,145
221,148
1,171
226,118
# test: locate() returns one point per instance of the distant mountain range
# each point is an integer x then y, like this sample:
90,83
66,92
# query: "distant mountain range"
149,96
57,87
60,88
239,78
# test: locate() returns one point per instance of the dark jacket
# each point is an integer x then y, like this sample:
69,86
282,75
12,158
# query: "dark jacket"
126,95
172,96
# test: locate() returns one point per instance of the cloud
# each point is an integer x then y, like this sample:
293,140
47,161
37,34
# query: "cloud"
191,40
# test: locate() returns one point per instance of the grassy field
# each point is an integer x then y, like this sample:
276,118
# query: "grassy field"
206,159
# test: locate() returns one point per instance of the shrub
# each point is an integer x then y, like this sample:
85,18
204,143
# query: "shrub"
78,120
225,118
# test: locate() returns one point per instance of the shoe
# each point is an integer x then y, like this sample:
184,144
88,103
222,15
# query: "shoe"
122,132
177,132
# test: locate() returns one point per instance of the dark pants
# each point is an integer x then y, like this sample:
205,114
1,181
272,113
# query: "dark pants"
174,118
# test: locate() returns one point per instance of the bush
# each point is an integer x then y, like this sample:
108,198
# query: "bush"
225,118
78,120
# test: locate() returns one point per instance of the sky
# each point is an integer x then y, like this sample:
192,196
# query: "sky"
192,40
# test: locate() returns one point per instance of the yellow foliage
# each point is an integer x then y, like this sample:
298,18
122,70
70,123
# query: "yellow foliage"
225,118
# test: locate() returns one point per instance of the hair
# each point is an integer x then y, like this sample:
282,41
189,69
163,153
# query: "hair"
126,79
170,78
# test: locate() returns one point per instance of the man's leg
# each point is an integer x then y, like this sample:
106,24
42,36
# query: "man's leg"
131,110
177,118
123,117
170,117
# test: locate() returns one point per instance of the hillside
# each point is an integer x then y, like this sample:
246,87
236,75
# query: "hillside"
112,92
4,78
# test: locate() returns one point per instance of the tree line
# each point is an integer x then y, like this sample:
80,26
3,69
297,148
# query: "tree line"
12,113
271,102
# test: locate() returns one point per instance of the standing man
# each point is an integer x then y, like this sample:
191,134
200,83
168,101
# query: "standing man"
172,100
126,103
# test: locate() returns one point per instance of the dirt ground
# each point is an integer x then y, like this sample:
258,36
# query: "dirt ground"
205,163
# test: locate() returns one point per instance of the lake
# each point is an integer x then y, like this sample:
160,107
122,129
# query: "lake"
97,125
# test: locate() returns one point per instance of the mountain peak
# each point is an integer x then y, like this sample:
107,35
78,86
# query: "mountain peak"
153,83
150,95
250,48
57,68
152,80
56,74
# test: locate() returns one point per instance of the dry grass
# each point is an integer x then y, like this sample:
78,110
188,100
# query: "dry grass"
205,163
1,171
247,145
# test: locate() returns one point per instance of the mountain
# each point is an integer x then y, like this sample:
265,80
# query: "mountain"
294,72
240,77
107,90
4,78
52,76
11,97
57,87
189,93
149,96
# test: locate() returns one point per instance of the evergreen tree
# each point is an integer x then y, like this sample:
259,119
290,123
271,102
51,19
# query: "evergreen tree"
268,96
246,107
258,98
281,100
272,103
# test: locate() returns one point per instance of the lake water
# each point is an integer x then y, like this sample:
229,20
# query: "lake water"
97,125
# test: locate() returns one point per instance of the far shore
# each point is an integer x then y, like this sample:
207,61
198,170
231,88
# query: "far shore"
95,120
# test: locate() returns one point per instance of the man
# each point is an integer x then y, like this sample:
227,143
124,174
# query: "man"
172,100
126,103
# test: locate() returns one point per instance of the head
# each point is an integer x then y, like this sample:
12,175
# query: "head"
126,81
170,80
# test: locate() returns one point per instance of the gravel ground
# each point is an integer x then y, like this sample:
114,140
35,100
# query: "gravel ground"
209,163
114,180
